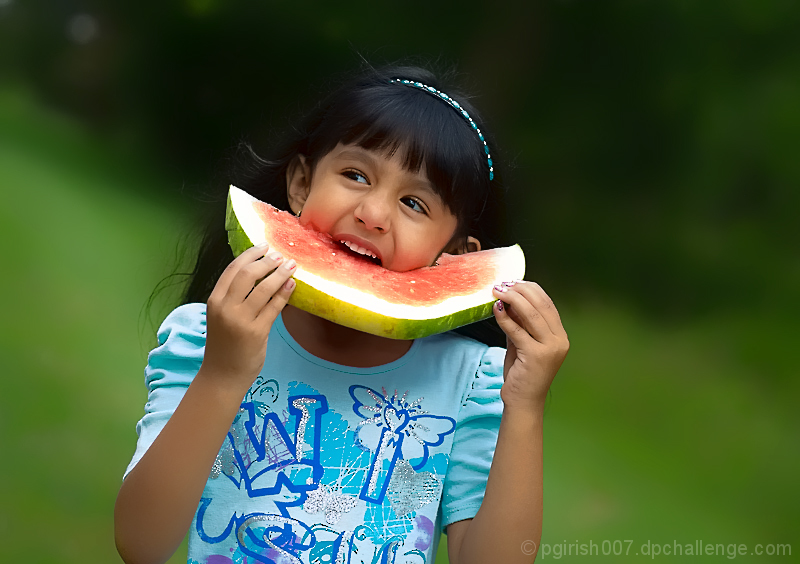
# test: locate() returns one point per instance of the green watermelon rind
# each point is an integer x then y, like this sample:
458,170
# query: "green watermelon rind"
317,302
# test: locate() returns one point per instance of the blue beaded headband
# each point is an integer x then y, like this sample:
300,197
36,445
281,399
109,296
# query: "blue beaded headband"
457,107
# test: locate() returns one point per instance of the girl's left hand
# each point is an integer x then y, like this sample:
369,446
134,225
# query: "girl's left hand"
536,343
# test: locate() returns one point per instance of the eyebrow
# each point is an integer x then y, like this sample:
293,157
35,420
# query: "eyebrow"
369,156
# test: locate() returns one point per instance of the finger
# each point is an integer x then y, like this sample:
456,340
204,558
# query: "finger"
269,286
516,335
227,276
527,316
543,304
270,311
511,348
250,274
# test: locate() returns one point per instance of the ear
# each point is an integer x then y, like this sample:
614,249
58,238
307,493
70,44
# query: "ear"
298,182
461,247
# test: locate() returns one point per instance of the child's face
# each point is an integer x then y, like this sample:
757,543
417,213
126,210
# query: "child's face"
373,202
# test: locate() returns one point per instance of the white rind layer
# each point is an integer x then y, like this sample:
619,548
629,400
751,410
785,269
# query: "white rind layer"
511,263
403,311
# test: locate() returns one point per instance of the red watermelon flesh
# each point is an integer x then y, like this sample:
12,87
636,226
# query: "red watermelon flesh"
453,275
354,290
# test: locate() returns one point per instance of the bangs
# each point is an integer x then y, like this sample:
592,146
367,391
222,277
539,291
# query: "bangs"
426,133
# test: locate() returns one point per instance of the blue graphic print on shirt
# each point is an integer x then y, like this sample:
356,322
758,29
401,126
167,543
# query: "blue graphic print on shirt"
400,423
263,460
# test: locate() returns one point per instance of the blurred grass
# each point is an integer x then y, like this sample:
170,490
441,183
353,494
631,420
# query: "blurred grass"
654,432
81,254
665,434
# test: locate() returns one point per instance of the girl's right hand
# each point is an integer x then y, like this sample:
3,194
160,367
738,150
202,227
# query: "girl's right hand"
240,314
156,503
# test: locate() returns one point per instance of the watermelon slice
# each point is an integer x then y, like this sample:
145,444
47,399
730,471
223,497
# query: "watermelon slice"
350,289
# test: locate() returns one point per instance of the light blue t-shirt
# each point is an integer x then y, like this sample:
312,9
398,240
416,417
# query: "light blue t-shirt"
331,463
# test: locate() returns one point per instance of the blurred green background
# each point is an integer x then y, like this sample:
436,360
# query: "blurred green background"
656,196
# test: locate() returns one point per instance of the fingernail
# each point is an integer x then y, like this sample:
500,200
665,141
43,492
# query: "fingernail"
500,288
276,256
290,264
289,284
509,284
499,305
262,245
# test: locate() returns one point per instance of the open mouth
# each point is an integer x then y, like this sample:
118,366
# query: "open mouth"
360,251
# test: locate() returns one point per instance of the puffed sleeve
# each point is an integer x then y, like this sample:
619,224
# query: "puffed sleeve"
474,440
171,367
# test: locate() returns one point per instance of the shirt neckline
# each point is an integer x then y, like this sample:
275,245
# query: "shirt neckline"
295,346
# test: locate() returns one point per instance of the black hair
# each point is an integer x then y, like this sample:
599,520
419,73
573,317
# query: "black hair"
374,113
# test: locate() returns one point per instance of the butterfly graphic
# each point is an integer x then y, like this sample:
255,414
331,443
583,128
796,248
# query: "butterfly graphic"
396,429
329,501
400,422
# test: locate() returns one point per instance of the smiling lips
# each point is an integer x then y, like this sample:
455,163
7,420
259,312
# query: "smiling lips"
358,249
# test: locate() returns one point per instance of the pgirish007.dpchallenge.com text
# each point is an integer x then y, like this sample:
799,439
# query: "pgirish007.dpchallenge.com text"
655,550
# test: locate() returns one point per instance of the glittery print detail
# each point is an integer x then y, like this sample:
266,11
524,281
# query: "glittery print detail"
376,419
388,551
297,477
381,455
355,547
399,431
277,452
414,403
382,523
342,553
280,538
329,501
409,490
302,405
260,476
259,518
225,462
344,461
273,537
216,468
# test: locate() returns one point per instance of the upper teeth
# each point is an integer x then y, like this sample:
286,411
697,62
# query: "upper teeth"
360,250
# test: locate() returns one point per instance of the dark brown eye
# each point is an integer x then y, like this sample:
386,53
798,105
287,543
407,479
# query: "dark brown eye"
414,204
356,176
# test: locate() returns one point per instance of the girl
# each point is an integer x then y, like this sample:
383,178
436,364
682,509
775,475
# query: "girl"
275,436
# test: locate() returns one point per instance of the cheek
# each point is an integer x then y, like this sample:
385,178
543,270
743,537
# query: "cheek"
419,251
315,221
318,213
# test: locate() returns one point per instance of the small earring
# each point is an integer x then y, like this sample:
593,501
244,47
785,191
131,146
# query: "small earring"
298,213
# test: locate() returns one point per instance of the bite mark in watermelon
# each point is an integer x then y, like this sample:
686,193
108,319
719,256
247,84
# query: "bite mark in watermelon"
352,290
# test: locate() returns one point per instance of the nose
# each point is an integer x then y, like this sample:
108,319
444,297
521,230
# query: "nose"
374,211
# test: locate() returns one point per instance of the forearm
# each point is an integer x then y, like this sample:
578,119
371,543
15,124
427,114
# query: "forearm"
159,497
511,512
